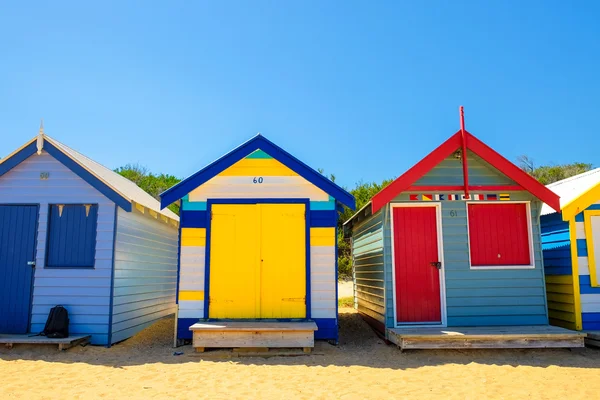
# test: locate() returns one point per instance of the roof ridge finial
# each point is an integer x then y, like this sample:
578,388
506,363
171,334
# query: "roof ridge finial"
40,138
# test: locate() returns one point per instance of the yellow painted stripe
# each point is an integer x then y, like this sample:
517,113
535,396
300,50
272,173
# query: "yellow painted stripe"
575,267
580,203
559,279
193,236
191,295
322,236
258,167
563,316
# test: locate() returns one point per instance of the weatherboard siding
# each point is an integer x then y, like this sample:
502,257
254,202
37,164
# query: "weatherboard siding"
145,276
556,248
477,297
449,172
84,292
368,268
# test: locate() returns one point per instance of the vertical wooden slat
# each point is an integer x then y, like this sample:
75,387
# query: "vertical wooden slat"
415,247
17,247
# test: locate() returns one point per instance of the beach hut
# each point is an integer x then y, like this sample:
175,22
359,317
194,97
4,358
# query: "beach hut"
571,247
454,242
77,234
258,262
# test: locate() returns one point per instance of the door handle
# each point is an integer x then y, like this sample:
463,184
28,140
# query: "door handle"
31,264
436,264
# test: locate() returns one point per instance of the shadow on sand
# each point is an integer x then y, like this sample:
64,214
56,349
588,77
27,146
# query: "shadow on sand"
358,346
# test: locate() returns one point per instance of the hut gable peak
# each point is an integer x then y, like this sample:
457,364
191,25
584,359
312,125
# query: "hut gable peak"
453,147
256,149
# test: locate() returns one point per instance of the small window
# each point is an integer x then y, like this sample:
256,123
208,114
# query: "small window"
72,235
499,235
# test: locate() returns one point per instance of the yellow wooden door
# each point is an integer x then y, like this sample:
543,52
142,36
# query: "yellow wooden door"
283,261
234,261
257,261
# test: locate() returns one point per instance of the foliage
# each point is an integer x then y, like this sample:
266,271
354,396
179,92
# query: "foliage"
153,184
547,174
346,302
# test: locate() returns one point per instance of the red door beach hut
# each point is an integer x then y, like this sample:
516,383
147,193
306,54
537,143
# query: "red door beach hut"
455,242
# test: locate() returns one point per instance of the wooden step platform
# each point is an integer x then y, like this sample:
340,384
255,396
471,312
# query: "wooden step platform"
500,337
593,338
253,334
63,344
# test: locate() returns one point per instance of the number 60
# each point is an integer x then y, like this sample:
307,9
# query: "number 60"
257,180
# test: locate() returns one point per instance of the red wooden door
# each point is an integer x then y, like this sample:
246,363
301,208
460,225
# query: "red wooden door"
417,280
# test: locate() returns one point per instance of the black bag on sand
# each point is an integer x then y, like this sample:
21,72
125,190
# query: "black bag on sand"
57,325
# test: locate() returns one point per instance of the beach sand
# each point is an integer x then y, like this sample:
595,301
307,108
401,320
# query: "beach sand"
362,366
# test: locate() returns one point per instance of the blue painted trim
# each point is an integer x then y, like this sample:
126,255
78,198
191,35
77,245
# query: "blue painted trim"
582,250
210,203
328,328
178,263
337,296
579,217
323,219
192,219
112,279
322,205
97,184
307,219
207,260
32,287
193,205
18,158
183,327
258,142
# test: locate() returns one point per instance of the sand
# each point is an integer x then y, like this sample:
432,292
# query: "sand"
362,366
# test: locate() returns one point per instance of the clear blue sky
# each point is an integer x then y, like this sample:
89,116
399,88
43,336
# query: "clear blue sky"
361,89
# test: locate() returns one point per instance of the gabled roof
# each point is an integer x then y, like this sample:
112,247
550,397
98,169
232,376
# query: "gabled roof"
488,154
576,193
257,142
111,184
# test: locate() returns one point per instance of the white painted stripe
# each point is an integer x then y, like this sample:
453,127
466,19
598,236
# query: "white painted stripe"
590,303
322,313
191,305
324,295
191,314
580,230
297,187
193,251
582,263
191,269
322,250
191,285
321,286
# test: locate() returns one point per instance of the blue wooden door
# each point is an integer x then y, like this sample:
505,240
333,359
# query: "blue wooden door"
18,226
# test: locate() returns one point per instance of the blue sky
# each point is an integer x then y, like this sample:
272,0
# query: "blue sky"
361,89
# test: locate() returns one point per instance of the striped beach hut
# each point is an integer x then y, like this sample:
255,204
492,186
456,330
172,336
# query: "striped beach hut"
258,249
454,242
571,244
77,234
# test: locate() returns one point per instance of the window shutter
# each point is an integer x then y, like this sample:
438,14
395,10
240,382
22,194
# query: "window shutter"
72,235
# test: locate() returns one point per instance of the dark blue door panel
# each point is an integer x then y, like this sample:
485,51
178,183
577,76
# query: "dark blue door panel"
18,225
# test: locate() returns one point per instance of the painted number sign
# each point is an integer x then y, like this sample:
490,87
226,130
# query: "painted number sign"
257,179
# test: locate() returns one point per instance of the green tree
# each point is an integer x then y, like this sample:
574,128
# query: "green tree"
547,174
153,184
363,193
